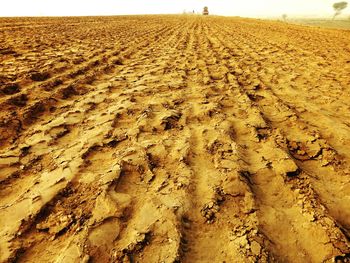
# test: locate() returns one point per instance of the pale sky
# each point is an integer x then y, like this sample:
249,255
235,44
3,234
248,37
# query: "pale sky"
248,8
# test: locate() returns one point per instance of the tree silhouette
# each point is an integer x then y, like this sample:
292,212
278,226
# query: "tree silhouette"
284,16
338,7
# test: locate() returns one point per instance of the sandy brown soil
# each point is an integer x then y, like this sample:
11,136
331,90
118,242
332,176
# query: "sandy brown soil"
324,23
173,139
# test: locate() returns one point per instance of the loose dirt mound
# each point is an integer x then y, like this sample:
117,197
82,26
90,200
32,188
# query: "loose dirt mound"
173,139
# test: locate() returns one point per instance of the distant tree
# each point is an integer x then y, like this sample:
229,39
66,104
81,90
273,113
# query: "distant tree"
338,7
284,16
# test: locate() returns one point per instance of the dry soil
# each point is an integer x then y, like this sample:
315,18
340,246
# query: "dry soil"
173,139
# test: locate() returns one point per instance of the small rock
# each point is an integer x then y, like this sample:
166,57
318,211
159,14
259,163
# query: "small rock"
216,76
242,241
287,167
211,204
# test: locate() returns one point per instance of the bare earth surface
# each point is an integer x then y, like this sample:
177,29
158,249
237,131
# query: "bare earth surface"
173,139
325,23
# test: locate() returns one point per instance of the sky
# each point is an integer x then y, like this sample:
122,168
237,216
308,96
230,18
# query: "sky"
247,8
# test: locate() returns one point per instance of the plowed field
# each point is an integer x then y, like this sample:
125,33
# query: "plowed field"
173,139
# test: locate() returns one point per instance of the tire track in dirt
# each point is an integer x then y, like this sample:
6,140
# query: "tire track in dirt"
219,194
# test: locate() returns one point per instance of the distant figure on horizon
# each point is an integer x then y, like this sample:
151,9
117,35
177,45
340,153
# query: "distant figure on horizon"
205,11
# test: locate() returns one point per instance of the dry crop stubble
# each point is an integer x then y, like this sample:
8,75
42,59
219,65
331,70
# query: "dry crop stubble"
173,139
